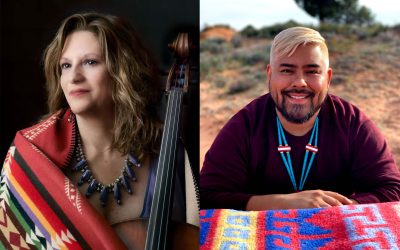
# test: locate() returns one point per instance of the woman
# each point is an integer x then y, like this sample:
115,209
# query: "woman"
82,176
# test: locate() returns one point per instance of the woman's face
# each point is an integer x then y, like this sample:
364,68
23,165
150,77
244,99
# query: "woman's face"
85,80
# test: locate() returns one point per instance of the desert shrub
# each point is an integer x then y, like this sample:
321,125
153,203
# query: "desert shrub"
214,45
249,31
385,37
375,29
339,43
251,57
346,64
210,64
259,75
256,74
338,79
219,82
247,80
273,30
239,86
354,31
236,40
267,31
327,29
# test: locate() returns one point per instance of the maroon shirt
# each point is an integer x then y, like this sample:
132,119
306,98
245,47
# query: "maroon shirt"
353,158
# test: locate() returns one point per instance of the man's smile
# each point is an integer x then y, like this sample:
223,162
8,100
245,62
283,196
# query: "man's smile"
298,96
295,96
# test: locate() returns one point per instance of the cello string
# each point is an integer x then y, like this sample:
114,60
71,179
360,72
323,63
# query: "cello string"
175,116
168,150
155,205
176,97
177,94
172,134
169,147
167,155
172,154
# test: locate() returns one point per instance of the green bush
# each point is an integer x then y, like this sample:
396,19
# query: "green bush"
355,31
236,40
339,44
326,29
219,82
249,31
239,86
213,45
273,30
210,64
251,57
373,30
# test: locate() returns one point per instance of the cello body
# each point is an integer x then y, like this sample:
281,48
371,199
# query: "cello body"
182,236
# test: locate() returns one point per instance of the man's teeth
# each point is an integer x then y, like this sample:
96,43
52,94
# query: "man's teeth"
297,97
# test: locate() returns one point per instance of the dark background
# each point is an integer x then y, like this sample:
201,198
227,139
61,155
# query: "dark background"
27,27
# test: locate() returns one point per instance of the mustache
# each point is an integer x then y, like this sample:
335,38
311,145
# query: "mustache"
298,91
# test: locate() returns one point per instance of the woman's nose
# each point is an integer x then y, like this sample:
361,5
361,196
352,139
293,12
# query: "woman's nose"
77,74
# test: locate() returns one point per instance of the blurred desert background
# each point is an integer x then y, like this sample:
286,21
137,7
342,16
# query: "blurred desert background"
364,59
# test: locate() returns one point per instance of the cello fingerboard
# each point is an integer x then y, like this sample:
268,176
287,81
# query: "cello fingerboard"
163,191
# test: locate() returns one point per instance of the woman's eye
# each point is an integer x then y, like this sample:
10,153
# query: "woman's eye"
90,62
65,65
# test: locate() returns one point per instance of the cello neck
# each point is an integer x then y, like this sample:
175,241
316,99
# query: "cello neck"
160,213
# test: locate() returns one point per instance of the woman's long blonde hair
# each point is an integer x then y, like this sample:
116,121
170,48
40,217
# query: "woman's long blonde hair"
136,89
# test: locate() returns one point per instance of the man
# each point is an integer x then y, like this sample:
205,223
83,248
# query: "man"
298,146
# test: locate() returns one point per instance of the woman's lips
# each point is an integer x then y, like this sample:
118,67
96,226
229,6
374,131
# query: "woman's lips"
78,92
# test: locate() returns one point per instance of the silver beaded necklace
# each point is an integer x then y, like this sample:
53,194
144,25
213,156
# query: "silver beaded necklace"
127,175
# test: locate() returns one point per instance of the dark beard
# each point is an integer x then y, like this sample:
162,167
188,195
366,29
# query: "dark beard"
296,109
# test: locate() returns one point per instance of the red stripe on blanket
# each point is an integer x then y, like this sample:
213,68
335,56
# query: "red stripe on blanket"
260,233
343,227
36,198
94,229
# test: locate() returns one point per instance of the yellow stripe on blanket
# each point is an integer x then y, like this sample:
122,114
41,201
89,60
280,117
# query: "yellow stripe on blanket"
36,211
236,230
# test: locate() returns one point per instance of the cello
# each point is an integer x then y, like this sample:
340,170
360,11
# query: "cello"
162,232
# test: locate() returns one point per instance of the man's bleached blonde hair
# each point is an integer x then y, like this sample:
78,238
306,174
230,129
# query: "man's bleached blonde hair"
288,40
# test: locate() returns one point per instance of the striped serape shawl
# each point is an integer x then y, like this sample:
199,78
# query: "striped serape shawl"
366,226
39,207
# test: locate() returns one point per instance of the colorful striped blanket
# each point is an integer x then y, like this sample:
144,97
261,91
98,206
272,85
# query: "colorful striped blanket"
370,226
39,207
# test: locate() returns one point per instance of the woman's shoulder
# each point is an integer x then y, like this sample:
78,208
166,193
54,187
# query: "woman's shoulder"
54,136
46,122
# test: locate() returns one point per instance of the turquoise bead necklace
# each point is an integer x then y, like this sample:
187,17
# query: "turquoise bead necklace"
284,150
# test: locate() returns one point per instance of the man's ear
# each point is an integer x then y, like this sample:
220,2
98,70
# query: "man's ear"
329,76
268,72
